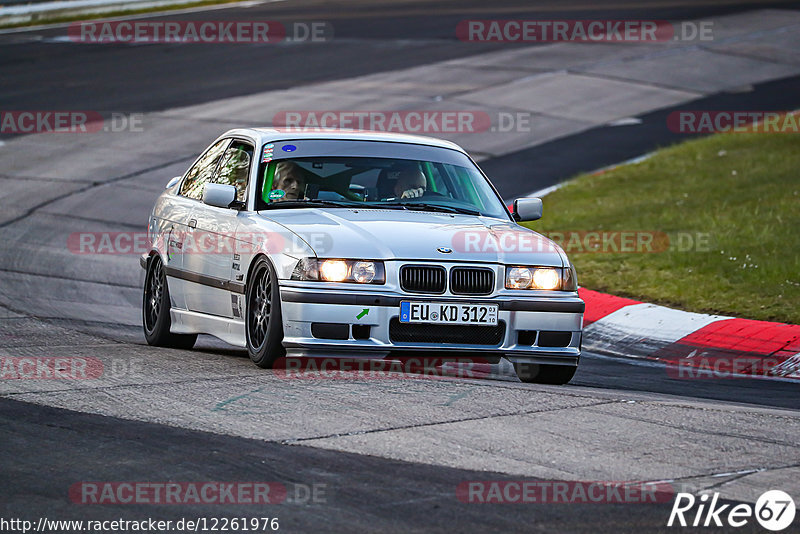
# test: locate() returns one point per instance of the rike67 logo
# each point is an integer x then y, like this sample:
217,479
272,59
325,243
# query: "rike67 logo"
774,510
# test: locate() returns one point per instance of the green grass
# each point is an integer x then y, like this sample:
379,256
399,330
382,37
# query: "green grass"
742,190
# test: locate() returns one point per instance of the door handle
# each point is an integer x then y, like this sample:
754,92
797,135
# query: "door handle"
192,223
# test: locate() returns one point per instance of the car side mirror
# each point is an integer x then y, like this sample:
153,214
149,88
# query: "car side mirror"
173,182
527,209
219,195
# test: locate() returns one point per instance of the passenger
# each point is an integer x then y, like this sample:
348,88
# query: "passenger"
290,179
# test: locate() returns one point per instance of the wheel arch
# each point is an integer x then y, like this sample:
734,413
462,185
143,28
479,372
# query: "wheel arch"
153,253
252,266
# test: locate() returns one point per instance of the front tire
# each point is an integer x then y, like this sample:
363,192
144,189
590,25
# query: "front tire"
155,310
533,373
264,326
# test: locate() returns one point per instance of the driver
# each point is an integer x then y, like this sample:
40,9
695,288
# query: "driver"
411,183
289,178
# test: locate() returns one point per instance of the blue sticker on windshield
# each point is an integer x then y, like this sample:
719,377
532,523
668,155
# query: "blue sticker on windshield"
289,148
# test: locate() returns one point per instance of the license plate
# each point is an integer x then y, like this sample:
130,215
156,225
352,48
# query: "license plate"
448,313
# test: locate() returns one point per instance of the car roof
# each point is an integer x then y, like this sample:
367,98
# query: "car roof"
267,135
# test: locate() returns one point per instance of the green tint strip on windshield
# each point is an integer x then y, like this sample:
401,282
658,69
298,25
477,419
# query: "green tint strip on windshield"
429,175
269,175
469,187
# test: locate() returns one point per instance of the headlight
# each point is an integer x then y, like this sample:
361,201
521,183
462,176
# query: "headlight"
546,278
543,278
338,270
364,271
518,278
333,270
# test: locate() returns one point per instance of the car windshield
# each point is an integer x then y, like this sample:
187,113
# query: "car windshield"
382,182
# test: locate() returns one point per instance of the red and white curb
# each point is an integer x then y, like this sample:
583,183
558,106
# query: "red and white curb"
693,345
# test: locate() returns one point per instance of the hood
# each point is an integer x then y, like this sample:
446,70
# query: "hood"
383,234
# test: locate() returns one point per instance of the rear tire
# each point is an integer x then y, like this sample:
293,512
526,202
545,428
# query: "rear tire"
264,325
534,373
156,320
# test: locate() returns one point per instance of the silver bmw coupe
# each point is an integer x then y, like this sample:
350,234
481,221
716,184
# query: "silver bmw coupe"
356,245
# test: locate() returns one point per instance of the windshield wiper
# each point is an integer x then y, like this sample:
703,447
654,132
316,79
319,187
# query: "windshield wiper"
423,206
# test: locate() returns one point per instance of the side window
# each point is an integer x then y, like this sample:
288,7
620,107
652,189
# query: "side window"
202,171
235,168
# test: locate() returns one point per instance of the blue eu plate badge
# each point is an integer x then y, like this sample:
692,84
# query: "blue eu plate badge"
405,309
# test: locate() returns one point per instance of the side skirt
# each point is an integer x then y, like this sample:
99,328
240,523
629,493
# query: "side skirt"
189,322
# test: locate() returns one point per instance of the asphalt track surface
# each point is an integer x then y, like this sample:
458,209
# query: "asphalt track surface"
356,493
43,450
42,71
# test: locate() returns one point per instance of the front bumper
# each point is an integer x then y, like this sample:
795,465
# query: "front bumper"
303,306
